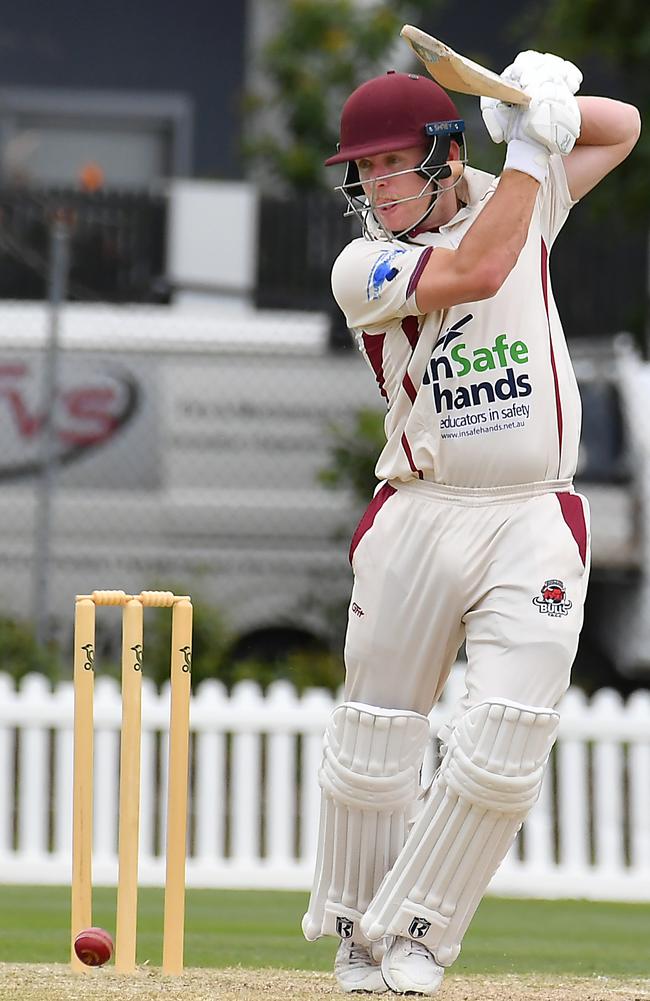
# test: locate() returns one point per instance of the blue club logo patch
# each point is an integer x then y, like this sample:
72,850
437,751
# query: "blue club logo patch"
384,270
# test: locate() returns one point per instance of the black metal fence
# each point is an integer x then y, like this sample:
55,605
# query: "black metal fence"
598,267
117,242
118,255
299,239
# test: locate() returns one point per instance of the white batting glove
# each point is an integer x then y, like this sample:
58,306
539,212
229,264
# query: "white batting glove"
502,120
531,68
507,123
550,124
552,118
536,73
529,157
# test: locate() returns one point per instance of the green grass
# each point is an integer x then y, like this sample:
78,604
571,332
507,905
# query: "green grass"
262,928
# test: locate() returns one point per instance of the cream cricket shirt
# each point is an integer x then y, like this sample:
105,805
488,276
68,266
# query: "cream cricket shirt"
479,395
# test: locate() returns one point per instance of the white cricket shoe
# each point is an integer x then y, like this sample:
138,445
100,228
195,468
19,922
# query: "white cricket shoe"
357,971
409,968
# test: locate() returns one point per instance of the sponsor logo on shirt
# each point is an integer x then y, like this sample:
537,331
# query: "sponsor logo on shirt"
462,376
384,270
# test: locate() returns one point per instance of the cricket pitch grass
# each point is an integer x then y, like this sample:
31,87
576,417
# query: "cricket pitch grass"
245,945
25,982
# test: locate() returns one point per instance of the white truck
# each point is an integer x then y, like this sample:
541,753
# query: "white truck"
188,448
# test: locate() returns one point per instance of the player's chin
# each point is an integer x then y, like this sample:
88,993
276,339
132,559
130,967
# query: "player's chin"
392,217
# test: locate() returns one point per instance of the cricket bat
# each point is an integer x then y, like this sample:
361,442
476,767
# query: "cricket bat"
456,72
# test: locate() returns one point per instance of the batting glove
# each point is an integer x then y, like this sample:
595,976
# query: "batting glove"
507,123
532,68
536,73
529,157
502,120
551,120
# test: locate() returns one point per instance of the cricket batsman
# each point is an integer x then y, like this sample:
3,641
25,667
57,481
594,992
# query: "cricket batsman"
476,533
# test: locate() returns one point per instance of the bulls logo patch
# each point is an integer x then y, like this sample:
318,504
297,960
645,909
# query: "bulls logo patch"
344,927
419,927
553,600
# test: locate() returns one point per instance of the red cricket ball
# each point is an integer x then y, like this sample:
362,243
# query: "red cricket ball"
93,946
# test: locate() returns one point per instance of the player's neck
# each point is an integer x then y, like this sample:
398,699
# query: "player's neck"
434,222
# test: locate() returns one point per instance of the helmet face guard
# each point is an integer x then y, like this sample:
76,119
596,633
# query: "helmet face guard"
433,169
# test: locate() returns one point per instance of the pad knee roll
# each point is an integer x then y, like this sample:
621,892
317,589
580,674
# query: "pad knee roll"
491,775
370,781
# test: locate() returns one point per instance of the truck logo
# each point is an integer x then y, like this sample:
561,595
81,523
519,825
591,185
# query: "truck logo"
88,413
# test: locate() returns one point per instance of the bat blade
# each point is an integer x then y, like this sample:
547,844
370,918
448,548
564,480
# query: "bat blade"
456,72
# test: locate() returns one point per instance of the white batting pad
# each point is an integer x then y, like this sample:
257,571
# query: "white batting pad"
490,776
370,780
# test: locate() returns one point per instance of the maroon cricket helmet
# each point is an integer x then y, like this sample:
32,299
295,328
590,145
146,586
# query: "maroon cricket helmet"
391,112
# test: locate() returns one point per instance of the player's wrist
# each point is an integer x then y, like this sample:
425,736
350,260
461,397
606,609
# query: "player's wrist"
528,157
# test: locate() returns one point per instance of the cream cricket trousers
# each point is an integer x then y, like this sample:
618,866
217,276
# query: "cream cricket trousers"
503,569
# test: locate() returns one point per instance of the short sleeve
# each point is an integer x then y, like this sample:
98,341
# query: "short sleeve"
556,201
375,281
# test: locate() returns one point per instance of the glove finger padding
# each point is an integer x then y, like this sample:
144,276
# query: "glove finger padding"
530,69
497,117
572,76
502,120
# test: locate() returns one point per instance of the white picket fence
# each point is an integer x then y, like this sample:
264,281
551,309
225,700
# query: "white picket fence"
254,793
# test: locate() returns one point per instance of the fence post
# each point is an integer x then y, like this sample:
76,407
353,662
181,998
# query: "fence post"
246,775
280,778
57,291
210,788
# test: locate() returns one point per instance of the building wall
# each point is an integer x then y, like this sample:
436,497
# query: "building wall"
196,49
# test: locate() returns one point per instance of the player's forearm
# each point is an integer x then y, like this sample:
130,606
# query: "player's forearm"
496,239
606,122
487,253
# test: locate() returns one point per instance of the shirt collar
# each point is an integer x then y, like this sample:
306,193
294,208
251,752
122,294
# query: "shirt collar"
476,183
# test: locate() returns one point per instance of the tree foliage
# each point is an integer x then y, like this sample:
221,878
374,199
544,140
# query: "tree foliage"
613,39
354,450
21,653
321,51
211,638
